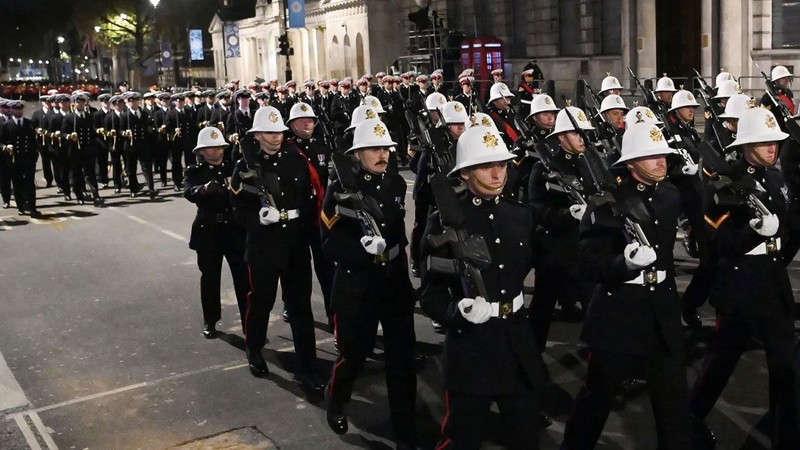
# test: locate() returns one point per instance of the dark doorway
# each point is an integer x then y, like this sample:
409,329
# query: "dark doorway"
678,37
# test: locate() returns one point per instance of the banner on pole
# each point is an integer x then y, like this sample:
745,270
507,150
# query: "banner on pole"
232,49
196,44
166,54
297,14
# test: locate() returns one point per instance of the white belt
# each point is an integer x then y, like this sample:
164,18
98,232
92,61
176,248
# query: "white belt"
770,246
506,309
649,277
290,214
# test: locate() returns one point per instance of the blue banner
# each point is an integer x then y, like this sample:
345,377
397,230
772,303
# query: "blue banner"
297,13
166,54
231,33
196,44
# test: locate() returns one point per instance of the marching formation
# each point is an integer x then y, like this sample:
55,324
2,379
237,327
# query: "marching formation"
290,185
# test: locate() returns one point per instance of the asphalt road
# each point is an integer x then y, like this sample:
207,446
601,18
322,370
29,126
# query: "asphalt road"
102,349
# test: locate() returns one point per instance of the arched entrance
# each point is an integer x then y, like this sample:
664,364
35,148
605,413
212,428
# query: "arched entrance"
360,55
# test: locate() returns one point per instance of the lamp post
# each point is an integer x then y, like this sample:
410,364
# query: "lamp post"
158,43
57,68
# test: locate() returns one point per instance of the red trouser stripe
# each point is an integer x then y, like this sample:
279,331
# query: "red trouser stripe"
249,299
338,364
447,442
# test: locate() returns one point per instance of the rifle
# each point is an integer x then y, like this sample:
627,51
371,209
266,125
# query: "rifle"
268,181
650,97
791,126
598,167
470,252
363,208
743,187
327,126
706,93
606,134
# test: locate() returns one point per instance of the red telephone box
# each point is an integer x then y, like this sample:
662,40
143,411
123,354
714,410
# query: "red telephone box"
483,55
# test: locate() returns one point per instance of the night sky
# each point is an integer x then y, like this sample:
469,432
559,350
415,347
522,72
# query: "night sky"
29,25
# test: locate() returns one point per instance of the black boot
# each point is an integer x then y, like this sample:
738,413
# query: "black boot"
702,436
334,415
258,367
209,330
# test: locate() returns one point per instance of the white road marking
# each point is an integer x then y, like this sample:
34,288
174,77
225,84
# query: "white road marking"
139,220
11,394
27,432
43,431
731,413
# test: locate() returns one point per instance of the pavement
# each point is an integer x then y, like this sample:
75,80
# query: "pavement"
101,348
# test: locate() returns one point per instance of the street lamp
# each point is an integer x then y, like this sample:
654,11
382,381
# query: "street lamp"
60,39
155,3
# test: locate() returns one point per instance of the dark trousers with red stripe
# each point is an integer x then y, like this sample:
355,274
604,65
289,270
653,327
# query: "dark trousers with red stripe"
295,280
466,416
355,333
730,340
666,380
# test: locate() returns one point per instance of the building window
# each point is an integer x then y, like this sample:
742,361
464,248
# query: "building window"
589,27
785,17
569,20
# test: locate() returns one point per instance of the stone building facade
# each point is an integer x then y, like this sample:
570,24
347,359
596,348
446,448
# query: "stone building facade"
570,39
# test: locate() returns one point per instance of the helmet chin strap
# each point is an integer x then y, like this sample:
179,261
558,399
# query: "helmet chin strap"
754,154
644,173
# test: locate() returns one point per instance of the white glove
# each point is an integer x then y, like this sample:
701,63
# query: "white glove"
476,310
689,169
269,215
577,211
638,256
374,245
769,225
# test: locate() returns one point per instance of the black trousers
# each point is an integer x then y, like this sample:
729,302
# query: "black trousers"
666,379
551,285
421,212
60,168
464,424
132,160
116,168
209,261
323,268
23,177
82,170
699,288
355,334
730,340
176,155
47,165
295,279
5,178
102,163
162,151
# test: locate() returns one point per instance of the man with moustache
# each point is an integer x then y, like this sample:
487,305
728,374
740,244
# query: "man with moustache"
633,323
751,290
490,353
371,284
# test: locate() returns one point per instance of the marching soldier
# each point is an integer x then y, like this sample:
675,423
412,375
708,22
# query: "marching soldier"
275,201
138,142
447,120
205,110
491,326
371,284
98,120
283,102
162,146
438,85
178,124
115,131
634,319
527,89
302,122
724,91
499,109
468,98
761,302
497,76
215,233
18,139
219,116
5,160
81,138
239,121
610,86
665,90
558,214
542,116
342,108
729,121
782,79
57,148
39,119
